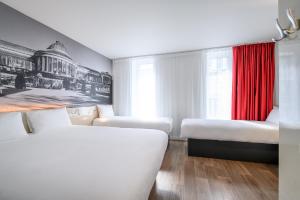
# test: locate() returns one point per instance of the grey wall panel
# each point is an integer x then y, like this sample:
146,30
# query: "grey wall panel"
42,68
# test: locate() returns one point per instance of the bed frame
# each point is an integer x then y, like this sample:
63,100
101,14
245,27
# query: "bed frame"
230,150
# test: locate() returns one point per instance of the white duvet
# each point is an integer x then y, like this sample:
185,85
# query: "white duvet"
231,130
78,163
160,123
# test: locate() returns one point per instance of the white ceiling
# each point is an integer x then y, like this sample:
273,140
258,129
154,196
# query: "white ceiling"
127,28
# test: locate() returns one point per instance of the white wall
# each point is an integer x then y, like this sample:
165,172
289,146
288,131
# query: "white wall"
289,100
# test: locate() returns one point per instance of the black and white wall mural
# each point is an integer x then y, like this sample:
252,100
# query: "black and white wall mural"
49,74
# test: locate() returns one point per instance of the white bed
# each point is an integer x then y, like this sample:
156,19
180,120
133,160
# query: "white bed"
77,162
231,130
266,132
160,123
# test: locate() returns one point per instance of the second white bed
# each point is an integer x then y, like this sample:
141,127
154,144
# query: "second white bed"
160,123
231,130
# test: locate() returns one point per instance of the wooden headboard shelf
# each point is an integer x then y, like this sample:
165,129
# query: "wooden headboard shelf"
28,107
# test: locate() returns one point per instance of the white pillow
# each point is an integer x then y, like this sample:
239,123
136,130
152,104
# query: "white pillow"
274,116
41,120
11,126
105,110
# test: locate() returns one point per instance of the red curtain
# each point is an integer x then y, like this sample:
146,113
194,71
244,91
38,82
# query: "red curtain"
253,74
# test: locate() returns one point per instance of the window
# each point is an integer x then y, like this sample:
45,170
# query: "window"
218,84
143,89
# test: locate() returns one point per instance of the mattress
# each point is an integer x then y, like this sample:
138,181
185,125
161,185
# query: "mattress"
162,123
81,162
231,130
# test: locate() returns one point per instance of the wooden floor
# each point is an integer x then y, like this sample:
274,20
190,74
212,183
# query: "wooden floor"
193,178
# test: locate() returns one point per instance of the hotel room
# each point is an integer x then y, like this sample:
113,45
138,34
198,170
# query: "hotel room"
149,100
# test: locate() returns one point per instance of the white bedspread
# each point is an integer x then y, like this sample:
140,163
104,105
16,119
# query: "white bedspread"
231,130
78,163
160,123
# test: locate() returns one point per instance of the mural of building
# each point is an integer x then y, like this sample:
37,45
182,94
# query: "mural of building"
52,68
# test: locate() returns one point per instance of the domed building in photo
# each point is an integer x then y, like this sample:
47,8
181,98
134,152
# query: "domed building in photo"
54,67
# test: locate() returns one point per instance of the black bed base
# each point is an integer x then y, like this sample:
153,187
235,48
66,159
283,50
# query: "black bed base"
230,150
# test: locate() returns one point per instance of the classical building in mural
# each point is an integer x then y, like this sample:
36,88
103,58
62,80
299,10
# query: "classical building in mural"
53,68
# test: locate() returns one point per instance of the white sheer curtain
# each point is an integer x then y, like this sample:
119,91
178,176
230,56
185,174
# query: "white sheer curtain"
143,88
180,87
134,87
183,85
122,83
218,83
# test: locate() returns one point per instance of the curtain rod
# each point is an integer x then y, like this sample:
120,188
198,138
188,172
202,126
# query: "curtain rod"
188,51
